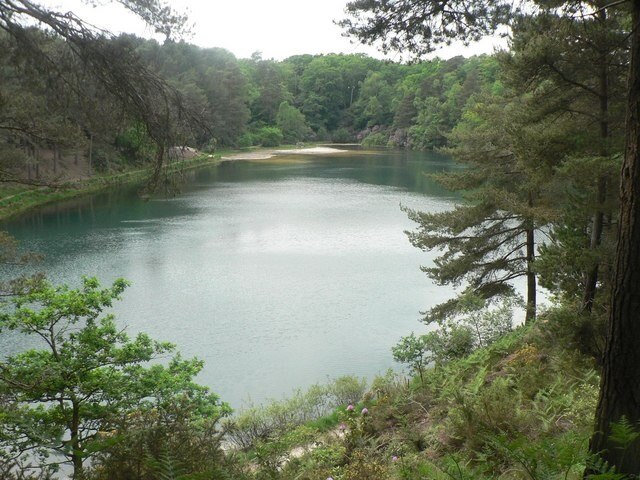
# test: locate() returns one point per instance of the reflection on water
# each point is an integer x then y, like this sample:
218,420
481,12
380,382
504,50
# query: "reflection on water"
277,274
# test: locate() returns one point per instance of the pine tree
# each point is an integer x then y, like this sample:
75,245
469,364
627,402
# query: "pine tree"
581,66
419,26
491,239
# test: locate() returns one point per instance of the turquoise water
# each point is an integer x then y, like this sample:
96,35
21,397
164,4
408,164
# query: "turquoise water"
278,274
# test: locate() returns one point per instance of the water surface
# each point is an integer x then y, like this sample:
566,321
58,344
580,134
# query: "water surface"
278,274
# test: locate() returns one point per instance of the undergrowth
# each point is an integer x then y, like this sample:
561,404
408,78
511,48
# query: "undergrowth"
521,408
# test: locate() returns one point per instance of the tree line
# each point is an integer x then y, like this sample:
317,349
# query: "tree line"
206,98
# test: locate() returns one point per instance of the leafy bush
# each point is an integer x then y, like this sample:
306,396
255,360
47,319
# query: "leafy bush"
364,467
257,424
576,330
246,140
103,159
151,445
342,135
347,389
449,343
378,139
521,407
268,136
210,146
87,381
292,123
134,144
413,351
480,327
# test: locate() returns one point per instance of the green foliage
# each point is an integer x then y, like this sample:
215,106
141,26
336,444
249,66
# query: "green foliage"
603,470
165,467
10,254
546,459
478,327
152,441
273,453
246,140
292,123
259,424
342,135
346,389
519,406
487,322
581,332
365,467
410,468
568,254
413,351
451,342
268,136
491,239
134,144
496,404
377,139
87,378
623,437
624,433
325,97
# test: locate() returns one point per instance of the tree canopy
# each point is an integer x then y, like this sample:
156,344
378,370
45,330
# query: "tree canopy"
66,399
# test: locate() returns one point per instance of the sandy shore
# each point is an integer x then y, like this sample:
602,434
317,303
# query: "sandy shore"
267,154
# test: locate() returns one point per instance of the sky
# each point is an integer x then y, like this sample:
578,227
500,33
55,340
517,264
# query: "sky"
276,28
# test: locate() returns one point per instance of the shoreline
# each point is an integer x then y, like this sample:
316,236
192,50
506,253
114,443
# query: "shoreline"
19,203
266,154
30,198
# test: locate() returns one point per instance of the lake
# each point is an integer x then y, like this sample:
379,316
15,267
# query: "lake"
278,274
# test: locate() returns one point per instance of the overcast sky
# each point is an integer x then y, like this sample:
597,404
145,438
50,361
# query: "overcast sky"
277,28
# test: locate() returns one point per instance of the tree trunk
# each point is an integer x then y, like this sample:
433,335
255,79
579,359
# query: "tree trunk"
76,454
56,156
620,385
531,274
37,157
591,280
90,154
531,279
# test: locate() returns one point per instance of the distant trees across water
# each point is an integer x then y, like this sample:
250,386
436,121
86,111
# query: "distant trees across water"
54,121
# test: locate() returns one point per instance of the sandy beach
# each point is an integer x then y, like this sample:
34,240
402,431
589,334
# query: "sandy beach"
267,154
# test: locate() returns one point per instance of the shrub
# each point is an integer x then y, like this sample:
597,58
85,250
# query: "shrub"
134,144
258,424
246,140
378,139
268,136
347,389
210,146
365,467
582,332
413,351
342,135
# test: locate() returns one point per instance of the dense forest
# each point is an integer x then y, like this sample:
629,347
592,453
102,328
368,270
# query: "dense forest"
239,103
542,133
